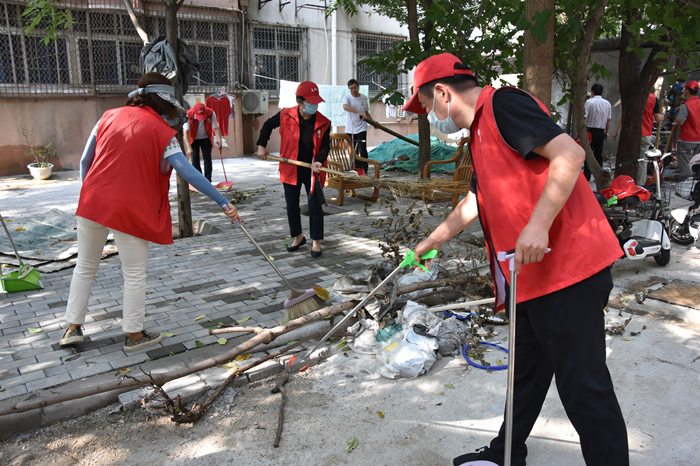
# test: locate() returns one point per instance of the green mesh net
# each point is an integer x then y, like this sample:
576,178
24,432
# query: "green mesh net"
391,150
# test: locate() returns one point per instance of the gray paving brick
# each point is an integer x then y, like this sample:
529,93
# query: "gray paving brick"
13,391
8,373
47,382
22,379
131,360
39,366
101,368
16,364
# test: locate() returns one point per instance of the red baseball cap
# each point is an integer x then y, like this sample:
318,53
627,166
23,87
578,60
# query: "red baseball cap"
309,91
430,69
200,111
692,85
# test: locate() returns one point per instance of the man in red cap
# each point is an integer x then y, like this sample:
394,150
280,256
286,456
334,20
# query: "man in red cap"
529,193
305,135
689,122
198,134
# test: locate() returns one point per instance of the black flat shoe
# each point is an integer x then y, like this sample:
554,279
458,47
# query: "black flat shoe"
294,248
316,253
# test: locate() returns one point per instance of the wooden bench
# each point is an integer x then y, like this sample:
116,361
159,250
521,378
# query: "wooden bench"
462,175
342,158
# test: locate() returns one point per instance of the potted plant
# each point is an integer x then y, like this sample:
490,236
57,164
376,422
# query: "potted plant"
41,168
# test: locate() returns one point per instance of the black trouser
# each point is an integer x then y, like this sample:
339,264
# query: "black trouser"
205,145
360,146
563,334
291,195
597,140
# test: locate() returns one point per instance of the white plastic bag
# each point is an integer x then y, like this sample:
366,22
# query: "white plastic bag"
407,354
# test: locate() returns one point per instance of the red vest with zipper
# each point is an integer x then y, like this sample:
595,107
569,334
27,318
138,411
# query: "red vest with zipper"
194,124
289,148
508,189
690,130
648,121
124,189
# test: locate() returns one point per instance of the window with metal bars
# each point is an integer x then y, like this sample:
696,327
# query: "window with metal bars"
99,53
279,53
367,44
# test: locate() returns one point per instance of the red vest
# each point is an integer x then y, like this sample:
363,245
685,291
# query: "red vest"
690,131
508,188
648,121
194,124
289,149
125,189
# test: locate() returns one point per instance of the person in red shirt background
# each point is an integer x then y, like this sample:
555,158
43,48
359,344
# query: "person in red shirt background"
689,135
198,134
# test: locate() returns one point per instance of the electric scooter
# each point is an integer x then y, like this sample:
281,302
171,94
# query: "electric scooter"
685,222
650,235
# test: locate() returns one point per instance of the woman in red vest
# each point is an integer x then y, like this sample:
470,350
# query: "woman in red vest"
529,193
305,137
125,169
198,134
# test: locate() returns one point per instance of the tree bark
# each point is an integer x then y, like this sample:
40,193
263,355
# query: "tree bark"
538,58
636,83
423,125
184,207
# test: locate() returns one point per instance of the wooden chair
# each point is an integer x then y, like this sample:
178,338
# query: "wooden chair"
342,158
462,174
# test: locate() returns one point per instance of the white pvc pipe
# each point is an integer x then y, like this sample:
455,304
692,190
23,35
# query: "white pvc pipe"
334,48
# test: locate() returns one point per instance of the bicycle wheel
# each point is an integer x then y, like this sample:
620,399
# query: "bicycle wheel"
680,233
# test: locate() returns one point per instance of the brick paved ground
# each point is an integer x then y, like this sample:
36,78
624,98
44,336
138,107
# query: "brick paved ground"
221,276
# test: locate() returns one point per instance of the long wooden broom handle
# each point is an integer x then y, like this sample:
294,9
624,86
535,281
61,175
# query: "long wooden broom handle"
372,122
308,165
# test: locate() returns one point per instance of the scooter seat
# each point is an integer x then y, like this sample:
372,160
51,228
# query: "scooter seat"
600,198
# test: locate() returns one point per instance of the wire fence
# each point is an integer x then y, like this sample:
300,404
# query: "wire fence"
99,52
279,53
367,44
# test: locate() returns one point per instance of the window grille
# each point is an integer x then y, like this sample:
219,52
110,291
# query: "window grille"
279,53
365,45
99,53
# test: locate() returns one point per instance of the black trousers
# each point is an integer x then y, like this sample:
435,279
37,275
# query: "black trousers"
360,141
563,334
291,196
597,140
205,146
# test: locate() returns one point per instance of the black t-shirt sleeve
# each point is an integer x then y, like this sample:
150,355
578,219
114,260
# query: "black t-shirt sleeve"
523,125
268,126
657,107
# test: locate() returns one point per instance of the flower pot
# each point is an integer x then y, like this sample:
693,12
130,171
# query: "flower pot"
40,173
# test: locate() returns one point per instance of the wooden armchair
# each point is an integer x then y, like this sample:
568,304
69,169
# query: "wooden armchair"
462,175
342,158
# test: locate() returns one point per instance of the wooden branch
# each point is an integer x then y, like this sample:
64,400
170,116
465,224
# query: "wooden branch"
217,331
279,388
107,382
374,123
142,34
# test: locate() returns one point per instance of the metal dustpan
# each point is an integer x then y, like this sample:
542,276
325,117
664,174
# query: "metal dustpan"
25,279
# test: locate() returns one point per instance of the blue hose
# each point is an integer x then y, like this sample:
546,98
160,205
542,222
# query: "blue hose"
479,366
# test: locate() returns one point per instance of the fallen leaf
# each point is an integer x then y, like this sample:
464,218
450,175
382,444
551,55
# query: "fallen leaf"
499,362
19,229
303,369
243,357
352,444
200,317
172,354
222,341
72,358
2,389
341,344
292,342
441,393
34,330
71,179
271,258
334,339
199,344
243,320
168,334
628,339
8,221
123,370
347,348
449,385
380,414
229,366
291,360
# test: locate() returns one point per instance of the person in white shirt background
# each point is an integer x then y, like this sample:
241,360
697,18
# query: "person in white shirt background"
598,112
356,106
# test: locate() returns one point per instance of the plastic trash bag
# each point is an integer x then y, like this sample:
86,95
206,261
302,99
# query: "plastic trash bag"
407,354
415,313
158,56
357,286
452,334
367,342
417,276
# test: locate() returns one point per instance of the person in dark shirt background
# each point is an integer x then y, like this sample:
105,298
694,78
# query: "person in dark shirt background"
305,135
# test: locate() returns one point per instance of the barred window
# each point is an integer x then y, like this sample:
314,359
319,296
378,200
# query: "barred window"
99,53
278,53
365,45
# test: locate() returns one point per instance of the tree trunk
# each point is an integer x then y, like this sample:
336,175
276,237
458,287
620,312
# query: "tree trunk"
538,58
423,125
635,84
184,208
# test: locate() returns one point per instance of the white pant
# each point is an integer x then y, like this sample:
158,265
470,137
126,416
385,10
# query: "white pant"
133,253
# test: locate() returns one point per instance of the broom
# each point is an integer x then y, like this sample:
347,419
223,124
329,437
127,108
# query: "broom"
299,302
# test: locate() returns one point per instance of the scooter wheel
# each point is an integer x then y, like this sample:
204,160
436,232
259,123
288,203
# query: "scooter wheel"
663,258
680,234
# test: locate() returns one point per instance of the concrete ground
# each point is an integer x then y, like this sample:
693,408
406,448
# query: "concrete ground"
655,372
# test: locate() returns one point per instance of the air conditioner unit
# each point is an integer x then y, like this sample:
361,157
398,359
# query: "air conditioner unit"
254,102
